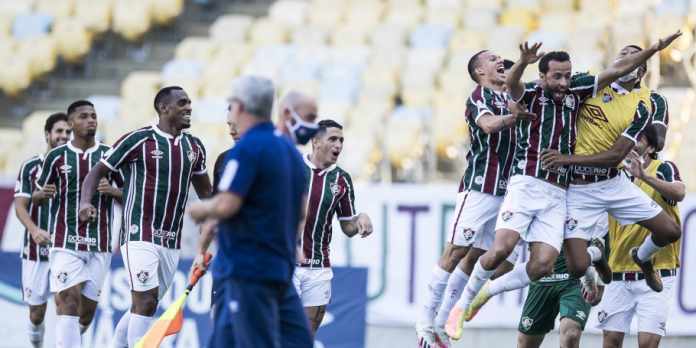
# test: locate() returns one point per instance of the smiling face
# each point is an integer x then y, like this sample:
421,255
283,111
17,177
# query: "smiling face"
83,121
177,108
490,69
59,134
327,146
556,80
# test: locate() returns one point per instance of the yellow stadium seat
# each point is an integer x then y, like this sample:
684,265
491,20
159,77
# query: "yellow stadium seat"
349,35
141,85
234,53
480,20
309,36
557,6
387,36
231,28
405,15
5,27
165,11
196,48
378,91
327,14
450,18
426,59
15,76
517,17
73,41
365,14
34,122
291,13
418,97
41,53
58,9
94,14
267,31
484,5
393,57
14,7
469,40
335,111
132,18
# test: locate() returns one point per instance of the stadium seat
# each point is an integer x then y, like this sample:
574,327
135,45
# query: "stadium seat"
291,13
106,106
94,14
231,28
309,36
131,18
483,20
73,41
267,31
15,76
349,35
165,11
56,9
405,14
387,36
141,85
435,36
327,14
11,9
41,54
196,48
31,25
470,40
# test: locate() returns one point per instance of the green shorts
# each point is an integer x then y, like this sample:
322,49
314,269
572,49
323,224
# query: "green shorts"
546,300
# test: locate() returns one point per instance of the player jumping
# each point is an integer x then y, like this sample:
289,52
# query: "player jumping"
158,162
35,218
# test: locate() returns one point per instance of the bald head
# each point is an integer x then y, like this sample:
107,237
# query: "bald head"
303,105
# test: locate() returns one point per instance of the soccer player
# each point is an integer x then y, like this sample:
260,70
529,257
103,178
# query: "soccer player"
261,207
534,208
608,128
480,193
35,218
558,293
628,295
297,115
330,193
159,163
81,252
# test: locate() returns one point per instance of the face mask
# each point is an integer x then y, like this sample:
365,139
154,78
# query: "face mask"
629,77
302,131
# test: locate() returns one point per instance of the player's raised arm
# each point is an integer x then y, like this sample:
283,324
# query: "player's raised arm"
528,55
624,66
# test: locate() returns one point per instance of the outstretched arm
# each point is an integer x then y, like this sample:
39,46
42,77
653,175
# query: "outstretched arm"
631,62
528,55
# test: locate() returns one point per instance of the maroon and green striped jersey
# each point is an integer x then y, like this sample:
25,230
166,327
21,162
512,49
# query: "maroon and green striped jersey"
39,213
490,156
157,169
66,167
554,128
330,191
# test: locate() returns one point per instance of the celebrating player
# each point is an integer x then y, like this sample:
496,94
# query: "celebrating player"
35,218
330,192
261,206
158,162
480,194
534,207
81,252
608,128
628,295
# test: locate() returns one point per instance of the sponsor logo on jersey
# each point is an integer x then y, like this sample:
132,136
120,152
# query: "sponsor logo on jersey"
506,215
82,240
607,97
527,322
164,234
157,154
543,101
65,169
581,315
594,114
468,234
143,276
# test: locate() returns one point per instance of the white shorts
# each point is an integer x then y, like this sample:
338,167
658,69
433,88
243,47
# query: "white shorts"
149,266
535,209
618,196
70,268
35,282
313,285
624,299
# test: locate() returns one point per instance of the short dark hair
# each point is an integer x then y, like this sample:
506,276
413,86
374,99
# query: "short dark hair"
558,56
324,125
638,48
473,64
651,136
53,119
163,93
76,104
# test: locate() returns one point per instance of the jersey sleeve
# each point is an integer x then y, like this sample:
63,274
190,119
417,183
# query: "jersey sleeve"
528,93
128,145
479,105
199,167
641,119
584,86
346,205
660,110
47,173
240,171
668,171
23,186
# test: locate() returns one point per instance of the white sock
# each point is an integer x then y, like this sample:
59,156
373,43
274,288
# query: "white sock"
433,298
455,284
83,328
120,339
68,332
137,327
36,334
647,249
515,279
595,253
479,276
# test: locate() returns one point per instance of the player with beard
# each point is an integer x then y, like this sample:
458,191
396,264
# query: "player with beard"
80,254
158,163
35,218
480,193
608,129
330,192
534,208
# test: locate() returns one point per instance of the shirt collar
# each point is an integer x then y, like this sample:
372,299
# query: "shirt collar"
80,151
313,167
619,89
159,131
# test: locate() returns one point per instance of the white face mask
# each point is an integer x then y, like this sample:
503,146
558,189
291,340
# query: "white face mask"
630,76
302,131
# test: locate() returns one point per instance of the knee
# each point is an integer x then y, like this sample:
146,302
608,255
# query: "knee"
612,341
145,304
451,256
36,316
570,337
540,268
68,302
497,255
674,232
